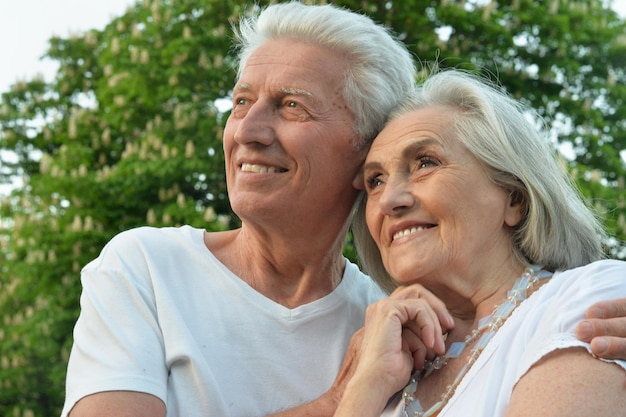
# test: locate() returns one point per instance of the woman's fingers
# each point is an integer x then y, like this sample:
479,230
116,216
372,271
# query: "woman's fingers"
416,348
401,332
416,291
392,316
428,316
424,323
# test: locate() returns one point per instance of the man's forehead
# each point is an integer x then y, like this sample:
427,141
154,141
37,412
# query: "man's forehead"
290,64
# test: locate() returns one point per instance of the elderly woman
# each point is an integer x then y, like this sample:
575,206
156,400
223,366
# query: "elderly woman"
466,199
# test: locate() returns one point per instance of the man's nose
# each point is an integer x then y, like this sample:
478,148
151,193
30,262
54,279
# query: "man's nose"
256,126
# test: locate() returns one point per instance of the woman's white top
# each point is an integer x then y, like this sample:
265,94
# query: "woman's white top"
541,324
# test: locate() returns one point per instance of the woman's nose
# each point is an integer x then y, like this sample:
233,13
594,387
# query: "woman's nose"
396,197
256,126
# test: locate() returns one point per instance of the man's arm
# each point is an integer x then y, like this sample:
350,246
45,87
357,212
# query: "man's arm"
137,404
119,404
605,328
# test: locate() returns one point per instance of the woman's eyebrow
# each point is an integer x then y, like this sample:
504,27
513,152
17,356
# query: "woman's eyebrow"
407,152
372,166
419,144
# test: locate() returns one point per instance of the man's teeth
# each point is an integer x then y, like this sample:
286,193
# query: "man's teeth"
261,169
408,231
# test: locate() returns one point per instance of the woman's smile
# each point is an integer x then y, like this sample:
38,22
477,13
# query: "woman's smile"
408,232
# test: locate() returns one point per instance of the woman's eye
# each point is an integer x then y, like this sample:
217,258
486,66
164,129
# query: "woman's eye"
373,182
426,162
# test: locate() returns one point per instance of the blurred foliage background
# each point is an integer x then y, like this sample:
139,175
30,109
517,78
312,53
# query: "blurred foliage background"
129,134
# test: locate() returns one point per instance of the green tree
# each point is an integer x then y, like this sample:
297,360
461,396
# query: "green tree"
128,134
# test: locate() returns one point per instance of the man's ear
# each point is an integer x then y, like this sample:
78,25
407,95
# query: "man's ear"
358,182
516,209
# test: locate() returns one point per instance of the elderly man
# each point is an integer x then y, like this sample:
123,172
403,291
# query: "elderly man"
253,321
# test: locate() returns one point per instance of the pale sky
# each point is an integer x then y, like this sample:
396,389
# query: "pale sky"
26,26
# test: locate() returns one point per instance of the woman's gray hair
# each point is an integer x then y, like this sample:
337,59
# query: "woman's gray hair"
560,230
381,72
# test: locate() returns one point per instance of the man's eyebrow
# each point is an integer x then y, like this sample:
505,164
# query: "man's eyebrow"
284,90
296,91
243,86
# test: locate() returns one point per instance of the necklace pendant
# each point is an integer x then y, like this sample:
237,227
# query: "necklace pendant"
455,350
413,409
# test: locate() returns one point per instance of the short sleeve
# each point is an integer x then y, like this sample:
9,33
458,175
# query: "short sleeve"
558,313
117,340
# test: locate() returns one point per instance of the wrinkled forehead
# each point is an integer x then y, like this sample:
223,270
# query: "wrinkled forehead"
428,122
295,65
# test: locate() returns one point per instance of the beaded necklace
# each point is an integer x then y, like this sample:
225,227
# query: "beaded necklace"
487,328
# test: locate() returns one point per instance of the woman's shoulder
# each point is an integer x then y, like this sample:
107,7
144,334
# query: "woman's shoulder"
596,281
605,268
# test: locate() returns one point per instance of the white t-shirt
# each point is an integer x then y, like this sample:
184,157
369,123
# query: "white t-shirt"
541,324
161,315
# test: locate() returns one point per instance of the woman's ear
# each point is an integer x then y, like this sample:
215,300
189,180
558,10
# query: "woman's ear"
358,182
516,209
